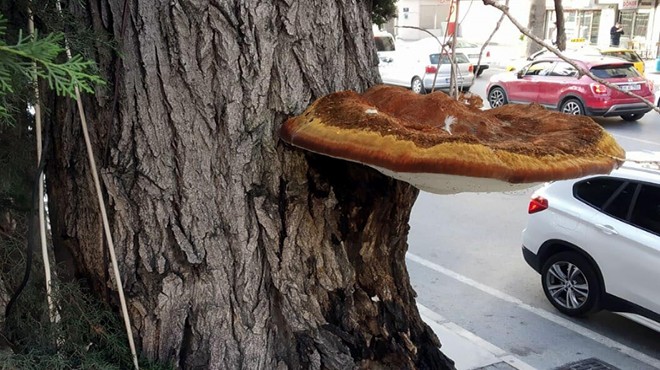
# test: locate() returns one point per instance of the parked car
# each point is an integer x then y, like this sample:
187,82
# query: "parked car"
586,51
558,85
385,44
596,241
416,69
471,50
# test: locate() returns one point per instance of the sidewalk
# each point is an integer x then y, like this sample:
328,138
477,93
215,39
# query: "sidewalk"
469,351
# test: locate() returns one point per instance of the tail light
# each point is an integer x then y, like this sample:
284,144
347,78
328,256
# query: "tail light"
598,89
431,69
471,68
488,54
537,204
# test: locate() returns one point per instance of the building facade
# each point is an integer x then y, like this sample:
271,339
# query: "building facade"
588,21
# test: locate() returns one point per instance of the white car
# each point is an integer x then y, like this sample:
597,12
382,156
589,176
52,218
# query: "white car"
472,51
596,241
418,69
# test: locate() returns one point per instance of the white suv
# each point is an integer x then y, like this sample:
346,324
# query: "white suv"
596,241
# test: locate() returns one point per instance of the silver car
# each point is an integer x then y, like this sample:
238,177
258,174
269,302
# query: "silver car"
417,70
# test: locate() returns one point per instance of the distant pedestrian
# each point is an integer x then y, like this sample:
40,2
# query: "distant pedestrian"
615,34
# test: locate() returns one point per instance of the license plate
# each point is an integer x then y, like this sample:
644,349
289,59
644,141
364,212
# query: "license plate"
630,87
458,80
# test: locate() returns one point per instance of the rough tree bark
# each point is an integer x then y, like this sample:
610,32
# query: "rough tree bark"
237,250
535,24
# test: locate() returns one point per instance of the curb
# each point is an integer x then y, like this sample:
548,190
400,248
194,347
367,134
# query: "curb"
469,351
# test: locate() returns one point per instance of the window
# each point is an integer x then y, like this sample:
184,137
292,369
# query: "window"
539,69
619,206
615,71
646,213
597,191
627,55
384,43
460,58
563,69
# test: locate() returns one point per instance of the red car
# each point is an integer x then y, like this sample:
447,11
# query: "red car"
556,84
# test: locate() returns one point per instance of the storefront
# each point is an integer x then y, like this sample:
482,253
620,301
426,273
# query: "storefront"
590,21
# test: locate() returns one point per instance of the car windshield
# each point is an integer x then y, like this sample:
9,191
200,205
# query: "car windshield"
384,43
614,71
629,56
460,58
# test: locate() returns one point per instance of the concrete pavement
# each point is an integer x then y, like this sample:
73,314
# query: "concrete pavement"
469,351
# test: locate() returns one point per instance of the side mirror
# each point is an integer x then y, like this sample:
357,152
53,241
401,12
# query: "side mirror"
520,74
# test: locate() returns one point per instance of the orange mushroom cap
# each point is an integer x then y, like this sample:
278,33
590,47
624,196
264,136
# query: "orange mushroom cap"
444,145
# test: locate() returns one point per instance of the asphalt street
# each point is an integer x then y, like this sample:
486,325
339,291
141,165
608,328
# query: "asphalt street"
466,265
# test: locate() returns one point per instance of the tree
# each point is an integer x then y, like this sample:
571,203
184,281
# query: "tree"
535,24
561,30
237,251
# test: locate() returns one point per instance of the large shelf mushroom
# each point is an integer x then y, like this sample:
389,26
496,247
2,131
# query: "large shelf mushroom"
443,146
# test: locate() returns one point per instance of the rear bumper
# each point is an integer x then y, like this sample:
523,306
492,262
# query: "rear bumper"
442,82
619,109
532,259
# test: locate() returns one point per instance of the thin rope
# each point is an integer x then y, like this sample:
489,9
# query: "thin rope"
104,216
53,314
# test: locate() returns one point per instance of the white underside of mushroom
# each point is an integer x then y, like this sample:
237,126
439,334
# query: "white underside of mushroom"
453,184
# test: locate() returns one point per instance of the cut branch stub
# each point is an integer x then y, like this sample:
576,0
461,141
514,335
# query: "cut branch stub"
444,146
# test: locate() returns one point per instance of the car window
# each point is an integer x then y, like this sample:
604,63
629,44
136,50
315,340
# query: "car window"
646,213
597,191
564,69
384,43
615,71
627,55
460,58
465,44
619,205
539,69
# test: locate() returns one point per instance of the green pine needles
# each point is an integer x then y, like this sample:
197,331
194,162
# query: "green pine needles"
40,55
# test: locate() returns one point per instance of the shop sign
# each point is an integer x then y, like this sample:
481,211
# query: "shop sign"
628,4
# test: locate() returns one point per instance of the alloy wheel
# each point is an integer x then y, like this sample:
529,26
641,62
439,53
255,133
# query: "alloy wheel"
572,107
567,285
416,85
496,98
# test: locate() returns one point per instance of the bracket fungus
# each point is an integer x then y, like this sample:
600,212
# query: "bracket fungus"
444,146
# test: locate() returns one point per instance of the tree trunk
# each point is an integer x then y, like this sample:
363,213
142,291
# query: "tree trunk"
535,24
236,250
561,30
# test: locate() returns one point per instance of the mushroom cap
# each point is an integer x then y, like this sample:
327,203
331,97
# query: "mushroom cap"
444,145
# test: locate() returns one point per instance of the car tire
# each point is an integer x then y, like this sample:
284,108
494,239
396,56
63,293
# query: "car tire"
497,97
416,85
571,284
632,116
572,106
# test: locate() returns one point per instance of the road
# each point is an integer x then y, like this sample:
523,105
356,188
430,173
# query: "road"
465,264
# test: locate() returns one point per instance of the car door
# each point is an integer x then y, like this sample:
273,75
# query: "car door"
626,238
562,76
525,88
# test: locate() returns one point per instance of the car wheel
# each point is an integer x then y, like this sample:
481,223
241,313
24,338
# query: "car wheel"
572,106
497,97
416,85
570,283
632,116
